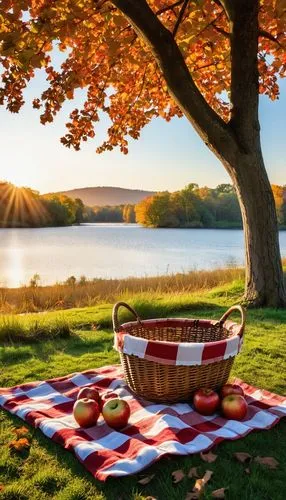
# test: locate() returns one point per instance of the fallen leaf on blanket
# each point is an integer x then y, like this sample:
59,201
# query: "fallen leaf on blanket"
146,480
178,475
220,493
270,462
20,444
242,457
193,472
21,431
208,457
198,490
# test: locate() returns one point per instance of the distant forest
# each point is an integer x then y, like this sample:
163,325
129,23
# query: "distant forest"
192,207
24,207
119,213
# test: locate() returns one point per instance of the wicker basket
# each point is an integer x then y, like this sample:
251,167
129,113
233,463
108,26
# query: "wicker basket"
172,381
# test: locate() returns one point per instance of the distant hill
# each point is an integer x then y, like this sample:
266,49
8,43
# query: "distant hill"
101,196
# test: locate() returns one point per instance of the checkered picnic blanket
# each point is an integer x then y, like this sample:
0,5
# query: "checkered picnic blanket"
154,430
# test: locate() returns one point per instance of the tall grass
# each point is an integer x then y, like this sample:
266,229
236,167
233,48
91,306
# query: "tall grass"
16,329
93,292
51,324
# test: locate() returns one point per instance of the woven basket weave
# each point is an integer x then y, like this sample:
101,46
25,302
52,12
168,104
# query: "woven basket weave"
168,382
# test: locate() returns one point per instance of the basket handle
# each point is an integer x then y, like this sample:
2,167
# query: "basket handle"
115,320
230,311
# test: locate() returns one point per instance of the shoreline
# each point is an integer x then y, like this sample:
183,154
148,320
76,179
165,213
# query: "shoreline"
231,227
85,292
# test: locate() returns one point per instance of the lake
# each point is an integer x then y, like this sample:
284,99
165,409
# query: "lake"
114,251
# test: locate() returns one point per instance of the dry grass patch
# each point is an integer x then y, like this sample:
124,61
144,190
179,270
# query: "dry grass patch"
93,292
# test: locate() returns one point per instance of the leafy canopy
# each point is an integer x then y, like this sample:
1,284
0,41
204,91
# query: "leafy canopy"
107,58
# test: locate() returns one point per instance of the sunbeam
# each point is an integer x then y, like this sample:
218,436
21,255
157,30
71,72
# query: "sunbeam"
20,207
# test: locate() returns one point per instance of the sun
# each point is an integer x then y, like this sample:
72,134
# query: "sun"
20,205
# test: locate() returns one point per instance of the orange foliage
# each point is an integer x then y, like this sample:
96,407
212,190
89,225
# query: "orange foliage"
20,444
105,56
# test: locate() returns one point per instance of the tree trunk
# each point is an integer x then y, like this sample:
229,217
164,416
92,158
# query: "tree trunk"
237,143
264,284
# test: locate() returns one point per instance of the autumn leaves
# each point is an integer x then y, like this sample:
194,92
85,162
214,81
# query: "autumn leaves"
200,480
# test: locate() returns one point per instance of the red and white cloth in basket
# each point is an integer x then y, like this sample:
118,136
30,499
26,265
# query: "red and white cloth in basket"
154,430
180,353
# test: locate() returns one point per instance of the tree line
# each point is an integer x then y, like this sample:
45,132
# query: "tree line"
191,207
117,213
25,207
196,206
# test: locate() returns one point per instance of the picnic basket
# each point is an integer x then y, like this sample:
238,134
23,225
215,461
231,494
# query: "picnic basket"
166,360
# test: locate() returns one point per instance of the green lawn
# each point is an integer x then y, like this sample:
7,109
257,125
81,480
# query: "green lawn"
82,339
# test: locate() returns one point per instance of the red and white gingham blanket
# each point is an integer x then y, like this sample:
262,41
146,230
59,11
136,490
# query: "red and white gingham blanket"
154,430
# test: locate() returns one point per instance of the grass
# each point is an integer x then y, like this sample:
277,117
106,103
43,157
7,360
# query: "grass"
49,472
87,293
93,292
51,324
16,328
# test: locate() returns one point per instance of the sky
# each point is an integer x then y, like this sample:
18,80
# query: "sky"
168,156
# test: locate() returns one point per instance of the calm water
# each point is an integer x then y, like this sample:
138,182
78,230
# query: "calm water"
114,251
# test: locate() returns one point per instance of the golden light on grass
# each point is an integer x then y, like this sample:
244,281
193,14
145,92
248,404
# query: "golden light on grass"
21,204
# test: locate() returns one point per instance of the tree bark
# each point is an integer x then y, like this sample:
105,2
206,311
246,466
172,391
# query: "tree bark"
264,285
237,143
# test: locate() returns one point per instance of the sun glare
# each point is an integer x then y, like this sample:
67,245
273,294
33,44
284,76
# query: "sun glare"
20,205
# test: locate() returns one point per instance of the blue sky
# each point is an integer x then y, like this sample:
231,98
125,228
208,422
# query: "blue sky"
167,156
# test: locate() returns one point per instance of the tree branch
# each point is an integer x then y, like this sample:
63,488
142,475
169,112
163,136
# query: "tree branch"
221,30
227,6
261,33
169,7
270,37
211,23
180,17
212,129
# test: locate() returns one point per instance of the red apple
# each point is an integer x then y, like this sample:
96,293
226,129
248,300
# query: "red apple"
116,413
106,397
89,393
86,412
234,407
206,401
228,389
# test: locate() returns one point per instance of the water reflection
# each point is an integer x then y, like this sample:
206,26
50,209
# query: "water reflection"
15,267
115,251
